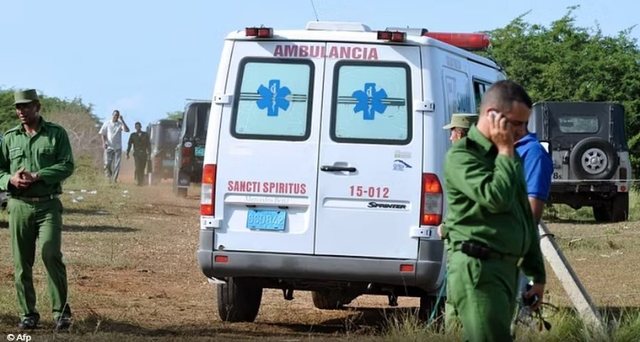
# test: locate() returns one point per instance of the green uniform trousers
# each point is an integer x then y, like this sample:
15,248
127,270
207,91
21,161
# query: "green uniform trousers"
41,221
141,164
482,296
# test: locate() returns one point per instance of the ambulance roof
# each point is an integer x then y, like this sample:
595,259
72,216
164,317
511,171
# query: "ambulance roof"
327,31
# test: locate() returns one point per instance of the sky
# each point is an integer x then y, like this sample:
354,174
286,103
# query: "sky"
147,57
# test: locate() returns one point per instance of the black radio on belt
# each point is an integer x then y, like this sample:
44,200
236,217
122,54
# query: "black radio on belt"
476,250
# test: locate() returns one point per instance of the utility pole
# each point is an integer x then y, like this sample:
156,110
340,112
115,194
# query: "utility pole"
569,280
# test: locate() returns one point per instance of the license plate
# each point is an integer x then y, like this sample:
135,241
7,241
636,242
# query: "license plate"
266,219
199,151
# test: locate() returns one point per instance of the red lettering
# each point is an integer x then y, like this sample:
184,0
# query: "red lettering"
290,51
333,53
314,51
345,52
303,189
230,186
304,51
357,52
278,51
373,54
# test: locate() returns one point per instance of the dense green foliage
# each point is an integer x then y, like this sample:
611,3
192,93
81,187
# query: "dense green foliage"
175,115
564,62
75,116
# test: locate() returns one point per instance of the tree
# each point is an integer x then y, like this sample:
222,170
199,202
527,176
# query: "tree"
75,116
175,115
569,63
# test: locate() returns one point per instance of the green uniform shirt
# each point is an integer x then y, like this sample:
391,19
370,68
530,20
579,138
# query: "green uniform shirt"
487,202
48,152
140,143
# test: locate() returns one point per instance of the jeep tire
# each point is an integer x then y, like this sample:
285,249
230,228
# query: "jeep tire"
593,158
239,300
615,209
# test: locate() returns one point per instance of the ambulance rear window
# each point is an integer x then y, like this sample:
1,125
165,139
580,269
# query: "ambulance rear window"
274,99
370,103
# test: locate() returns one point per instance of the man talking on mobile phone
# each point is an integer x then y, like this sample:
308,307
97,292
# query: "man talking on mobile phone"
111,134
490,231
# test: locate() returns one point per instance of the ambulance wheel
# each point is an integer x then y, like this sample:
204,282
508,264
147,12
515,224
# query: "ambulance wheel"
329,300
429,304
239,300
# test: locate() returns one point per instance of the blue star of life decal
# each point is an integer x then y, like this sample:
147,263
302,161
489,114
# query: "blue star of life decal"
369,101
273,98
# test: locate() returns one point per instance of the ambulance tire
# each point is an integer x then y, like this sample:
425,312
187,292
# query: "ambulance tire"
239,300
427,306
330,300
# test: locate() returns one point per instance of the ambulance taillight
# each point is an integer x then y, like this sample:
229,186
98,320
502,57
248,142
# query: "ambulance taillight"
431,206
392,36
208,190
467,41
259,32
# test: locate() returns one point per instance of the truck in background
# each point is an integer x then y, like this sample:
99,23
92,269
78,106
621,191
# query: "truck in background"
189,153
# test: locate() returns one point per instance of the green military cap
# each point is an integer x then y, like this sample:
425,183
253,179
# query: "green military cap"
25,96
462,120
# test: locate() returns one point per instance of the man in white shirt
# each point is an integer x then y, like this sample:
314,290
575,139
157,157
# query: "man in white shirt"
111,133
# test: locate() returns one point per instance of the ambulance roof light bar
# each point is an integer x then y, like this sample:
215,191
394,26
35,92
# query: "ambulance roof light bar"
259,32
393,36
467,41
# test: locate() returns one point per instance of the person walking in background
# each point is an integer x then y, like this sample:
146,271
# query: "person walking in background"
139,140
111,133
35,157
489,229
460,124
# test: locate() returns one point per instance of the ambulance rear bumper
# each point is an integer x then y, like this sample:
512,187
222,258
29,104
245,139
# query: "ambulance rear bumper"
426,273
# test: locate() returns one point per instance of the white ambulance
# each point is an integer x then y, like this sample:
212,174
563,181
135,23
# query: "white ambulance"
324,160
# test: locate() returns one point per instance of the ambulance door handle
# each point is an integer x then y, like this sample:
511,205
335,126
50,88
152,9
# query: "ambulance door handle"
332,168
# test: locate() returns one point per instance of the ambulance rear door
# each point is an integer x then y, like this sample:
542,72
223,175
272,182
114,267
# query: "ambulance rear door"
267,157
370,152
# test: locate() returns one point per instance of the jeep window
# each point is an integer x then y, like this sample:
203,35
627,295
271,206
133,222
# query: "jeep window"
578,124
195,120
371,103
273,99
164,134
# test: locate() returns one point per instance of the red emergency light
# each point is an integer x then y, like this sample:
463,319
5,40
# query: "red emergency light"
396,36
467,41
259,32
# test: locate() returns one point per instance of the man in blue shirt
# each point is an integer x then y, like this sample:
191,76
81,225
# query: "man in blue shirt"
538,168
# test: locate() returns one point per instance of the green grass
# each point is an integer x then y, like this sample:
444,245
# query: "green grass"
554,212
566,326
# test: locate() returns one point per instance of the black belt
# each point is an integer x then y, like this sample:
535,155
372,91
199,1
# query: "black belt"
483,252
35,199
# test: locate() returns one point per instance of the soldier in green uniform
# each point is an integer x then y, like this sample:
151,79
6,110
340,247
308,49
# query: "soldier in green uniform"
35,157
139,140
490,231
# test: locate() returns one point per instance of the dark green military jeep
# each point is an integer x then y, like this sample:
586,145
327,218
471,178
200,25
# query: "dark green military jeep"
588,145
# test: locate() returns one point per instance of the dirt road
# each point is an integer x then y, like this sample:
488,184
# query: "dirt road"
133,274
